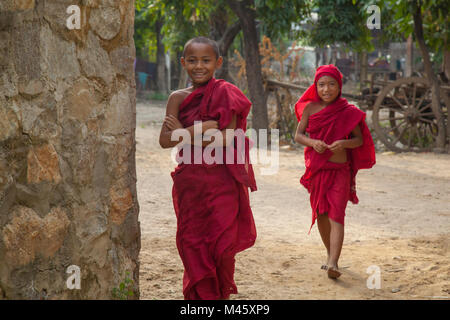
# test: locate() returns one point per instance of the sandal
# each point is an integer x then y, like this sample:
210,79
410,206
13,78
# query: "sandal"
333,273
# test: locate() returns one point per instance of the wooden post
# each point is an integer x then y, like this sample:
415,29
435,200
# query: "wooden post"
363,70
409,57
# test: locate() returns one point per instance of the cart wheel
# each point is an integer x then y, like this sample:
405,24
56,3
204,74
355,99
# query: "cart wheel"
403,118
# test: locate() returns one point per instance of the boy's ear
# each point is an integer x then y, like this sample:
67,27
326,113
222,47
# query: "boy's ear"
183,62
219,62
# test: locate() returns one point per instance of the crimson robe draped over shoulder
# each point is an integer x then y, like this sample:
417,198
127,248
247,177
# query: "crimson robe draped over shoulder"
211,201
335,122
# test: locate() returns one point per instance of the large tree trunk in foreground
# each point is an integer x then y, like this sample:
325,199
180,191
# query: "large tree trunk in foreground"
246,16
67,151
432,79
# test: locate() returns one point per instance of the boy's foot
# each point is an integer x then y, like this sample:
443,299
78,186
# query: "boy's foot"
325,265
333,273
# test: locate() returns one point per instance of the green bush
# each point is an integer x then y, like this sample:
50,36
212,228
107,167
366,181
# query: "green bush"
125,290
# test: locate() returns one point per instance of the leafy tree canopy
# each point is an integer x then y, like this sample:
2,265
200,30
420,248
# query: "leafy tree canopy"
436,24
340,21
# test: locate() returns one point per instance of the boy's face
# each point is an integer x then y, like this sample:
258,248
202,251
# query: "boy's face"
327,89
200,62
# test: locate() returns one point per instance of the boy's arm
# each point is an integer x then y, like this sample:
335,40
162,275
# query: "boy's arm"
165,135
226,135
196,130
301,138
355,142
171,123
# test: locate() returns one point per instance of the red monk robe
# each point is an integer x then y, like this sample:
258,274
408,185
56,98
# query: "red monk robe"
332,185
211,201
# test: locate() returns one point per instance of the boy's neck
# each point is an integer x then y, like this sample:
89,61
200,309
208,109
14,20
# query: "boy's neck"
198,85
325,104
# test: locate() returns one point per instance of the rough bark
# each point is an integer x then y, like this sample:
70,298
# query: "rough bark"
432,79
247,14
67,150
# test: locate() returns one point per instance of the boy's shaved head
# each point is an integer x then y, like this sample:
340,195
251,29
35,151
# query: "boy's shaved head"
204,40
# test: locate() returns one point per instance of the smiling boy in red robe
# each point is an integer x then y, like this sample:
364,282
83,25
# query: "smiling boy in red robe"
211,201
338,145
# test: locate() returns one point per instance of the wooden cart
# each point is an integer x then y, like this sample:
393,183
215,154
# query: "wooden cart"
402,115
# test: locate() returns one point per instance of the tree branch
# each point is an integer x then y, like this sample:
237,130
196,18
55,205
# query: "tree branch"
228,37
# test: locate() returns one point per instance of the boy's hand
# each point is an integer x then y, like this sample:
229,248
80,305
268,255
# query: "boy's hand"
210,124
319,146
337,146
172,122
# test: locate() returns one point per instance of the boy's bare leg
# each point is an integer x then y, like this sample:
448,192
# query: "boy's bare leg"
336,241
323,223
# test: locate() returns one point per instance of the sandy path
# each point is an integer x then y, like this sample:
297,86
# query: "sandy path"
401,225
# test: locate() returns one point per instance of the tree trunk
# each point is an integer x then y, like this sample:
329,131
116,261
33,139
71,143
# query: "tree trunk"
432,79
246,14
363,68
317,52
224,44
409,56
446,63
224,35
446,71
161,82
69,224
182,82
333,55
324,56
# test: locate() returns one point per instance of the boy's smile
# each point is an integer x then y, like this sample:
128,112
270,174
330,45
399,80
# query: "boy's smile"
200,62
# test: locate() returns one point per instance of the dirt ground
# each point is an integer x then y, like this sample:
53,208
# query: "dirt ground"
401,225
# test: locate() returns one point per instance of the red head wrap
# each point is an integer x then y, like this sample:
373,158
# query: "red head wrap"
311,94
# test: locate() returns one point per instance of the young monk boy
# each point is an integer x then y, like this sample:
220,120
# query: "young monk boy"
338,145
211,201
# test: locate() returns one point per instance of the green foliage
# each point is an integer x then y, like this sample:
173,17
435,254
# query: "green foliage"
144,35
185,19
125,290
436,24
278,16
182,20
341,21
